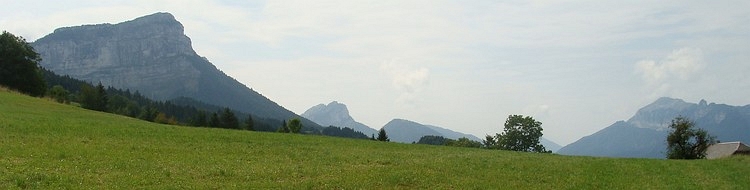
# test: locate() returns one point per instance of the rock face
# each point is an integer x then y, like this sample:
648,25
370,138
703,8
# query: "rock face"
644,134
152,55
336,114
405,131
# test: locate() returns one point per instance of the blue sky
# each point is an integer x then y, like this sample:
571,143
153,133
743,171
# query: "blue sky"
576,66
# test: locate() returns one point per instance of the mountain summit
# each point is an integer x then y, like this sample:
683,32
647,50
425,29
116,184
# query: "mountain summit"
644,134
336,114
152,55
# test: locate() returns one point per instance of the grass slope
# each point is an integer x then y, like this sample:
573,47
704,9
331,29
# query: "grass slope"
46,145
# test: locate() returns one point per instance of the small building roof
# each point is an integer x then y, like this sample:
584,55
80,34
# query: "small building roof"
726,149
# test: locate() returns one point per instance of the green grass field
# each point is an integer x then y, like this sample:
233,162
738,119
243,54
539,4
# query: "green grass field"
46,145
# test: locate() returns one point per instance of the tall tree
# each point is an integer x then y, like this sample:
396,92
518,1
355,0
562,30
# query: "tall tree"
382,136
88,97
521,134
214,120
249,123
199,119
59,94
19,66
101,98
294,125
229,120
284,128
685,141
489,142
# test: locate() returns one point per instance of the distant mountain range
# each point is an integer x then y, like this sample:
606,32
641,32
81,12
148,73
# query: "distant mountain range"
405,131
398,130
644,134
152,55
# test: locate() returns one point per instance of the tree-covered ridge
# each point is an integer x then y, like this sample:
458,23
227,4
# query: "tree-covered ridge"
343,132
134,104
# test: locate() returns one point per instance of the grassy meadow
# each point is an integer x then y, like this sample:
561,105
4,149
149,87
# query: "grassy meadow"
47,145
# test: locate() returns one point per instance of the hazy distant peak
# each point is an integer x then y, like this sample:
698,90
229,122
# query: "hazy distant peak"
335,114
338,107
667,102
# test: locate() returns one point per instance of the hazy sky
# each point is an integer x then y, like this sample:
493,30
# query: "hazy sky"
576,66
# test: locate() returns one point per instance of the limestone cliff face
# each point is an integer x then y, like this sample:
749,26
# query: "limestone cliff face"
145,54
150,54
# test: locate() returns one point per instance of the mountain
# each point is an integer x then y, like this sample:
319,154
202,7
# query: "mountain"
336,114
549,145
405,131
644,134
153,56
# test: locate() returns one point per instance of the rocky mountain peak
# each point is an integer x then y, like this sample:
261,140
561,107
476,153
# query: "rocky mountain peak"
332,113
652,116
335,114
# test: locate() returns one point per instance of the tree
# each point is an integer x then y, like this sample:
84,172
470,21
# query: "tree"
88,97
284,128
433,140
95,98
59,94
294,125
214,121
101,98
464,142
19,66
382,136
199,119
489,142
520,134
229,120
685,141
249,123
343,132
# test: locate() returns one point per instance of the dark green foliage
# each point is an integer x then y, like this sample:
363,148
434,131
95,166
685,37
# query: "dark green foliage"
343,132
464,142
489,142
214,120
284,127
19,66
93,98
520,134
200,119
148,113
249,123
228,119
440,140
59,93
294,125
382,136
433,140
123,102
102,98
687,142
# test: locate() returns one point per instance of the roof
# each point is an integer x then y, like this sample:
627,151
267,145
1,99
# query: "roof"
721,150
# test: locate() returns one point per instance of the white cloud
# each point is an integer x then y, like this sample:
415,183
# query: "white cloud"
681,64
409,81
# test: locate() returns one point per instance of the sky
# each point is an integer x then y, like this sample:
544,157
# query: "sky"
575,66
